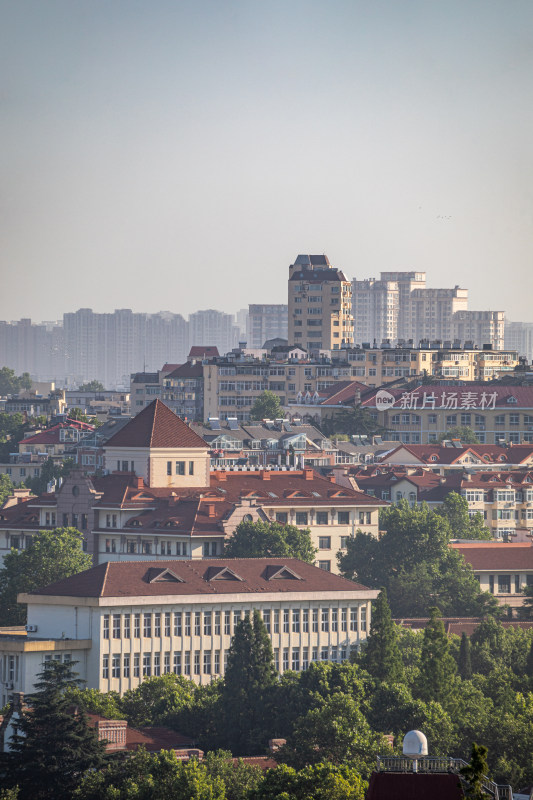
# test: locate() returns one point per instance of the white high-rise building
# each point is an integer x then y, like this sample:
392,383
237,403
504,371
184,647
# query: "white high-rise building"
375,306
519,336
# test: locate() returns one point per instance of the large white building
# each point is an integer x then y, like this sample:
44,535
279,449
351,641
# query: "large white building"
124,622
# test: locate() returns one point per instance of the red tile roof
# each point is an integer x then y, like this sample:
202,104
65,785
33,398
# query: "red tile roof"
187,371
345,392
136,579
203,351
156,426
496,556
51,435
479,397
458,625
490,453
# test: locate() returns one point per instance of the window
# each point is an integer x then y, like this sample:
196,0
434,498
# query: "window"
169,467
315,620
285,620
110,546
324,654
325,619
466,419
296,660
514,419
285,658
499,419
126,666
207,623
187,623
236,619
127,623
296,621
137,626
157,664
157,624
324,542
166,663
196,662
281,517
504,584
305,620
207,662
105,632
266,620
147,665
432,419
227,623
191,467
116,626
301,517
344,619
334,620
363,618
343,517
276,621
105,667
321,517
180,467
177,664
451,419
217,623
197,623
147,626
136,666
325,565
187,664
167,623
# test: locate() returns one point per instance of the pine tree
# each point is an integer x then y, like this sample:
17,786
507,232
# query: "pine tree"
464,661
52,745
249,674
529,664
475,772
382,655
437,665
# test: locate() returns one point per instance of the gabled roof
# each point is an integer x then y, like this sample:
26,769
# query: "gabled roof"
251,575
51,435
156,426
496,556
203,351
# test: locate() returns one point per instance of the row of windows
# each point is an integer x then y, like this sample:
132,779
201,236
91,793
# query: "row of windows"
180,468
465,419
323,517
209,623
208,662
165,547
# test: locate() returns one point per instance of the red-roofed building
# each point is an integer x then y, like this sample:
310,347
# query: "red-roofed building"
55,440
445,458
502,569
125,621
159,499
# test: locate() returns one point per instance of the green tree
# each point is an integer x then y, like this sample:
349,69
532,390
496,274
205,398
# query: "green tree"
78,415
314,782
25,381
336,732
50,471
267,406
462,432
382,654
92,386
414,562
475,772
51,556
249,674
263,539
464,663
6,488
352,421
9,383
437,665
526,612
51,746
151,776
156,698
455,509
240,779
96,702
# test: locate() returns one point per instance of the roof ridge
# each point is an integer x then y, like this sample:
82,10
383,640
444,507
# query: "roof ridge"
102,589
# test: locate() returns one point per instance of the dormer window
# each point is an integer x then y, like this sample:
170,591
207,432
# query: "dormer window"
222,574
274,572
161,575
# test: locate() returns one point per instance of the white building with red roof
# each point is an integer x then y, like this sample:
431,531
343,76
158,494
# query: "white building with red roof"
160,500
126,621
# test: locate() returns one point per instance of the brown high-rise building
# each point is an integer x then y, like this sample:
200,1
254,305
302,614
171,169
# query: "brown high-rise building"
320,305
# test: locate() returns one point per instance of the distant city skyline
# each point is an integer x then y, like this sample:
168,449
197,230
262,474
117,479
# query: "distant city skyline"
177,156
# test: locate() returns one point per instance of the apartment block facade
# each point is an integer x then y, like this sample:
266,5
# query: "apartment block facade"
320,305
266,321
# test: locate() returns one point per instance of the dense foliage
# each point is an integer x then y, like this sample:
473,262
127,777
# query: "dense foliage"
352,421
263,539
267,406
415,564
11,384
50,471
50,556
462,432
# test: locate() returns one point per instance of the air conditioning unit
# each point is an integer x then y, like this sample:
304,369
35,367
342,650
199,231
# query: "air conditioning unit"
9,685
31,628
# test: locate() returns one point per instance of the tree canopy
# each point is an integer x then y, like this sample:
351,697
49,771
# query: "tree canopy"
462,526
51,556
51,745
11,384
352,421
267,406
415,564
462,432
382,654
92,386
262,539
50,471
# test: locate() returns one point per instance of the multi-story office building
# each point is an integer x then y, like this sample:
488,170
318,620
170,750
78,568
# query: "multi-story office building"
37,349
320,305
213,328
375,306
407,282
125,622
519,336
266,322
432,312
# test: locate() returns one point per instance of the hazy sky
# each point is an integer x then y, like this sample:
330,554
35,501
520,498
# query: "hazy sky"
179,155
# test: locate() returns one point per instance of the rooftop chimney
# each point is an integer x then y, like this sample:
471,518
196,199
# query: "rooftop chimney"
308,474
265,475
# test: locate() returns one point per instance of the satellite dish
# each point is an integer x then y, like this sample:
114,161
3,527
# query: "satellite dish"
415,746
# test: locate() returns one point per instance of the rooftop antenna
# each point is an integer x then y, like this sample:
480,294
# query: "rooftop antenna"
415,746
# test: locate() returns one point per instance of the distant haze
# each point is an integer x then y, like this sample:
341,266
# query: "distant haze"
178,155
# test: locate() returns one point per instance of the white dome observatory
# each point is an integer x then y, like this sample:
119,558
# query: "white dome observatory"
415,746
